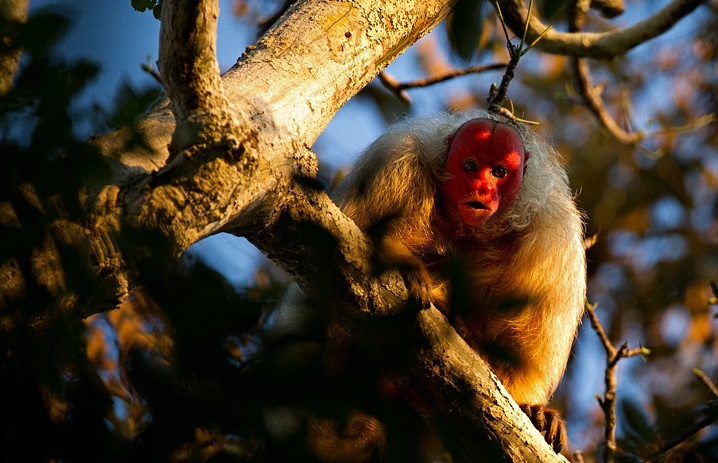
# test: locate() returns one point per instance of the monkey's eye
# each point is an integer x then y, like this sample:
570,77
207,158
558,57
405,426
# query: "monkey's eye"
499,172
469,166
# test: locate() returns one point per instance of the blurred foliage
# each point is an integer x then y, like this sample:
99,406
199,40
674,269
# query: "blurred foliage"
464,27
155,6
176,372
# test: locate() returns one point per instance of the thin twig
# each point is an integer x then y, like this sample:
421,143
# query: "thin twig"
450,75
149,69
706,381
498,94
398,88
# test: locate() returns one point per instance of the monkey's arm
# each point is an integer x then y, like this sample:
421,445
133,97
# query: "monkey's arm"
390,253
390,196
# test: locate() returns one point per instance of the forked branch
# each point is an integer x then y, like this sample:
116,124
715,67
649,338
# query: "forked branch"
608,401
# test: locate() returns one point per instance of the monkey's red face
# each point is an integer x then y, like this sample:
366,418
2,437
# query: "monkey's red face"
485,166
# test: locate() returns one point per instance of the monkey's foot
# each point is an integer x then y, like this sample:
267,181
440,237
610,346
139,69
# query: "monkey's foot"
361,439
548,421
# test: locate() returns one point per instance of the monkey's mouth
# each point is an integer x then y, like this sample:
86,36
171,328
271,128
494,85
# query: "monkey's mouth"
478,205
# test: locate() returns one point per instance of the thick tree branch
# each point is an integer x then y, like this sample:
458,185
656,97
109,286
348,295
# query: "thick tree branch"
190,73
465,395
600,45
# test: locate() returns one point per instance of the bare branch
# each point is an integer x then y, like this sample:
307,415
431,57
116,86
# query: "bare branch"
452,75
592,97
598,328
600,45
590,93
710,416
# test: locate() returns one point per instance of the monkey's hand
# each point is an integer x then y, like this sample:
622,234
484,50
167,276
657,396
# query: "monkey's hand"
549,423
390,253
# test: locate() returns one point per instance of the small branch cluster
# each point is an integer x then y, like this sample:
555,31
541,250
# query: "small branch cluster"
592,94
710,415
579,46
608,401
498,94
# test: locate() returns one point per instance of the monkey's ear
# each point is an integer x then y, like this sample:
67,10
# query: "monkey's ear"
527,155
449,139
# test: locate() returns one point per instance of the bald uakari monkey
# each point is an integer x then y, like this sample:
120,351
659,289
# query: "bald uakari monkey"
477,189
